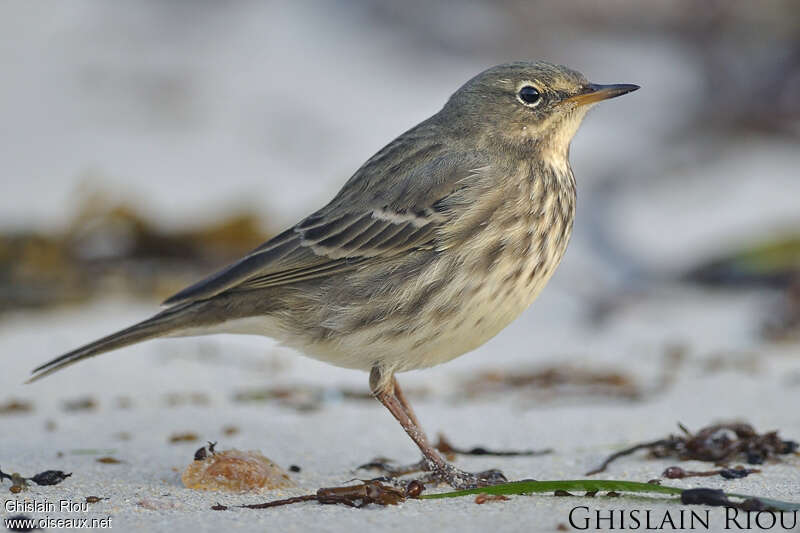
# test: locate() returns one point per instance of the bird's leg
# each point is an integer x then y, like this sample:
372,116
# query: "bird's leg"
401,397
385,389
423,464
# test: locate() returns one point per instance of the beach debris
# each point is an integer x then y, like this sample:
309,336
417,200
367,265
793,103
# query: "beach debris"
717,498
80,404
414,488
717,443
357,496
362,494
15,406
186,436
95,499
444,445
20,483
772,262
230,431
108,460
234,470
111,246
50,477
567,379
294,468
738,472
204,452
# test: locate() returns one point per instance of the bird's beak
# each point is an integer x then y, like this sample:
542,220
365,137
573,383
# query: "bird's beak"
593,93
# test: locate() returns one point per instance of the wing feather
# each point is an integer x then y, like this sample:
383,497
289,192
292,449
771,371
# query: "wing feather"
371,217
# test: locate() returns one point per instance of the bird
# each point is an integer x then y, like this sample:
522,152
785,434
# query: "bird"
431,248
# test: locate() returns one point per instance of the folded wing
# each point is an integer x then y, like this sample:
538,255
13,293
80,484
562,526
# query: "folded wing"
396,202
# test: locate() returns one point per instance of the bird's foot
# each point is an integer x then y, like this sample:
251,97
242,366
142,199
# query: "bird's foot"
461,480
449,474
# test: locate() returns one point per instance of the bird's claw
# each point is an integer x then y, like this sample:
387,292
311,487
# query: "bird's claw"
460,480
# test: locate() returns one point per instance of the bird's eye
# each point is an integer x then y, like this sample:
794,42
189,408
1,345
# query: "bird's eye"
529,95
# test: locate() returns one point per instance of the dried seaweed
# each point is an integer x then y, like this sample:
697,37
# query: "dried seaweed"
717,498
230,431
562,377
444,446
48,477
112,245
738,472
774,262
357,496
14,406
718,443
561,380
186,436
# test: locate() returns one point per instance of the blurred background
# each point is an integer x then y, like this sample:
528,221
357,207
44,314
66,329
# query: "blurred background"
145,144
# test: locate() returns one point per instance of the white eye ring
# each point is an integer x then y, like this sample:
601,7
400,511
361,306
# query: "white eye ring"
528,95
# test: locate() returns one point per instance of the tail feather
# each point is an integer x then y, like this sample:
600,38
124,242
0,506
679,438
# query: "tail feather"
156,326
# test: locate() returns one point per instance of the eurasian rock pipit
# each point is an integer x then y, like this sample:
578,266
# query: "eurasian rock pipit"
432,247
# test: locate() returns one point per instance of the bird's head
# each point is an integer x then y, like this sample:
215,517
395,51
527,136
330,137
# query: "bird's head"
526,106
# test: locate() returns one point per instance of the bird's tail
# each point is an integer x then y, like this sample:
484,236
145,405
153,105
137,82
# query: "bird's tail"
166,322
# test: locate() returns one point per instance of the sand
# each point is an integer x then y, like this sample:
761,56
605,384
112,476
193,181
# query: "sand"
723,377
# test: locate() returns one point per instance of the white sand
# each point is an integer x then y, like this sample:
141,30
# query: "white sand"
757,386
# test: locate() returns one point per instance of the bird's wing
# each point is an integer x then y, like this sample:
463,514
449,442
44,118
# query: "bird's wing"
394,203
